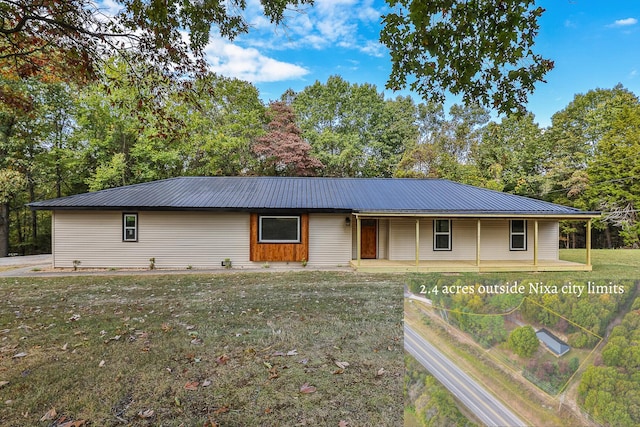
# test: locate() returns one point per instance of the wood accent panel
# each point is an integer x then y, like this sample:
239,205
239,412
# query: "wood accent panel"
279,251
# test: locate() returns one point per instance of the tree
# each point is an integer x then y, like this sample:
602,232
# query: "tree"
73,37
511,154
353,130
11,182
480,49
523,341
282,151
613,174
575,135
445,144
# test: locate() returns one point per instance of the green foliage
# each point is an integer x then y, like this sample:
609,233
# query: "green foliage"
353,130
429,400
611,393
445,145
477,49
614,174
589,314
523,341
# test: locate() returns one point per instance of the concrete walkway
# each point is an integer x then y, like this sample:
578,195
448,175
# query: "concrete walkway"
17,266
25,260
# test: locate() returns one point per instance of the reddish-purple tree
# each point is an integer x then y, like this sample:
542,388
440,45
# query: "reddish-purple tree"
283,151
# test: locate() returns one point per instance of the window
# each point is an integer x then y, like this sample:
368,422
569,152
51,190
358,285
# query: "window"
518,235
130,227
279,229
442,235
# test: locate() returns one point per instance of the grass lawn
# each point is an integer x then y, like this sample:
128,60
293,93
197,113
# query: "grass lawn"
259,349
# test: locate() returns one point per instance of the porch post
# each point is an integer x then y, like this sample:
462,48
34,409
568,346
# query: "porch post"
417,242
478,243
588,242
535,242
358,240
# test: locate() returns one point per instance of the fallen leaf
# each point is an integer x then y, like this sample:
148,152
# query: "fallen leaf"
380,372
338,372
221,410
149,413
273,373
342,365
197,341
278,353
65,346
3,383
221,360
74,317
50,415
210,423
206,383
293,352
268,411
306,388
101,364
19,355
191,385
343,423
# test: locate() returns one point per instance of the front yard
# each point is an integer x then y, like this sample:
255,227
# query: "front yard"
269,349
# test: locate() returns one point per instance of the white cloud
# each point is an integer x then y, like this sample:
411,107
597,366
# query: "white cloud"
328,23
249,64
625,22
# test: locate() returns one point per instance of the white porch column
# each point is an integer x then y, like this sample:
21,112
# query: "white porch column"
535,242
417,242
478,243
358,240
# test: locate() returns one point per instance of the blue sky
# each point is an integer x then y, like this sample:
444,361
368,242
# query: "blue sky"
595,44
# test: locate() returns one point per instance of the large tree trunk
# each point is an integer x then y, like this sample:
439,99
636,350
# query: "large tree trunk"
607,236
4,229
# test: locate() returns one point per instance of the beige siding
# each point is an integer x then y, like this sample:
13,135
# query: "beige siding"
174,239
494,240
329,240
383,238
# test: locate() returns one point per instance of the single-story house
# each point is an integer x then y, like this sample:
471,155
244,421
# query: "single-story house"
371,224
554,344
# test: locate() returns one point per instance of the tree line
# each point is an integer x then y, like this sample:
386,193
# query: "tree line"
59,138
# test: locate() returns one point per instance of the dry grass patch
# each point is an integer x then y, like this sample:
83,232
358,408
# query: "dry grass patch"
225,350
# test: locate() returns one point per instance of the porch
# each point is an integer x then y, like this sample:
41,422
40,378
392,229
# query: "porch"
461,266
402,243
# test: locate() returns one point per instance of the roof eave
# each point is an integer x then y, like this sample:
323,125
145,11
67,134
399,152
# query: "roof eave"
482,214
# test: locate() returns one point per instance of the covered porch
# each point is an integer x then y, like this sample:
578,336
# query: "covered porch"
475,234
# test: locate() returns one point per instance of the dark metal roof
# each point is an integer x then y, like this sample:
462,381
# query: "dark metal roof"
553,343
366,195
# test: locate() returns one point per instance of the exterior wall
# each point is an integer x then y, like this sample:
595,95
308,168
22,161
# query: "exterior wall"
174,239
329,240
181,239
494,244
383,238
270,252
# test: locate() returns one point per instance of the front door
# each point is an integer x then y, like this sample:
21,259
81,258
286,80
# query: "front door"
368,239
